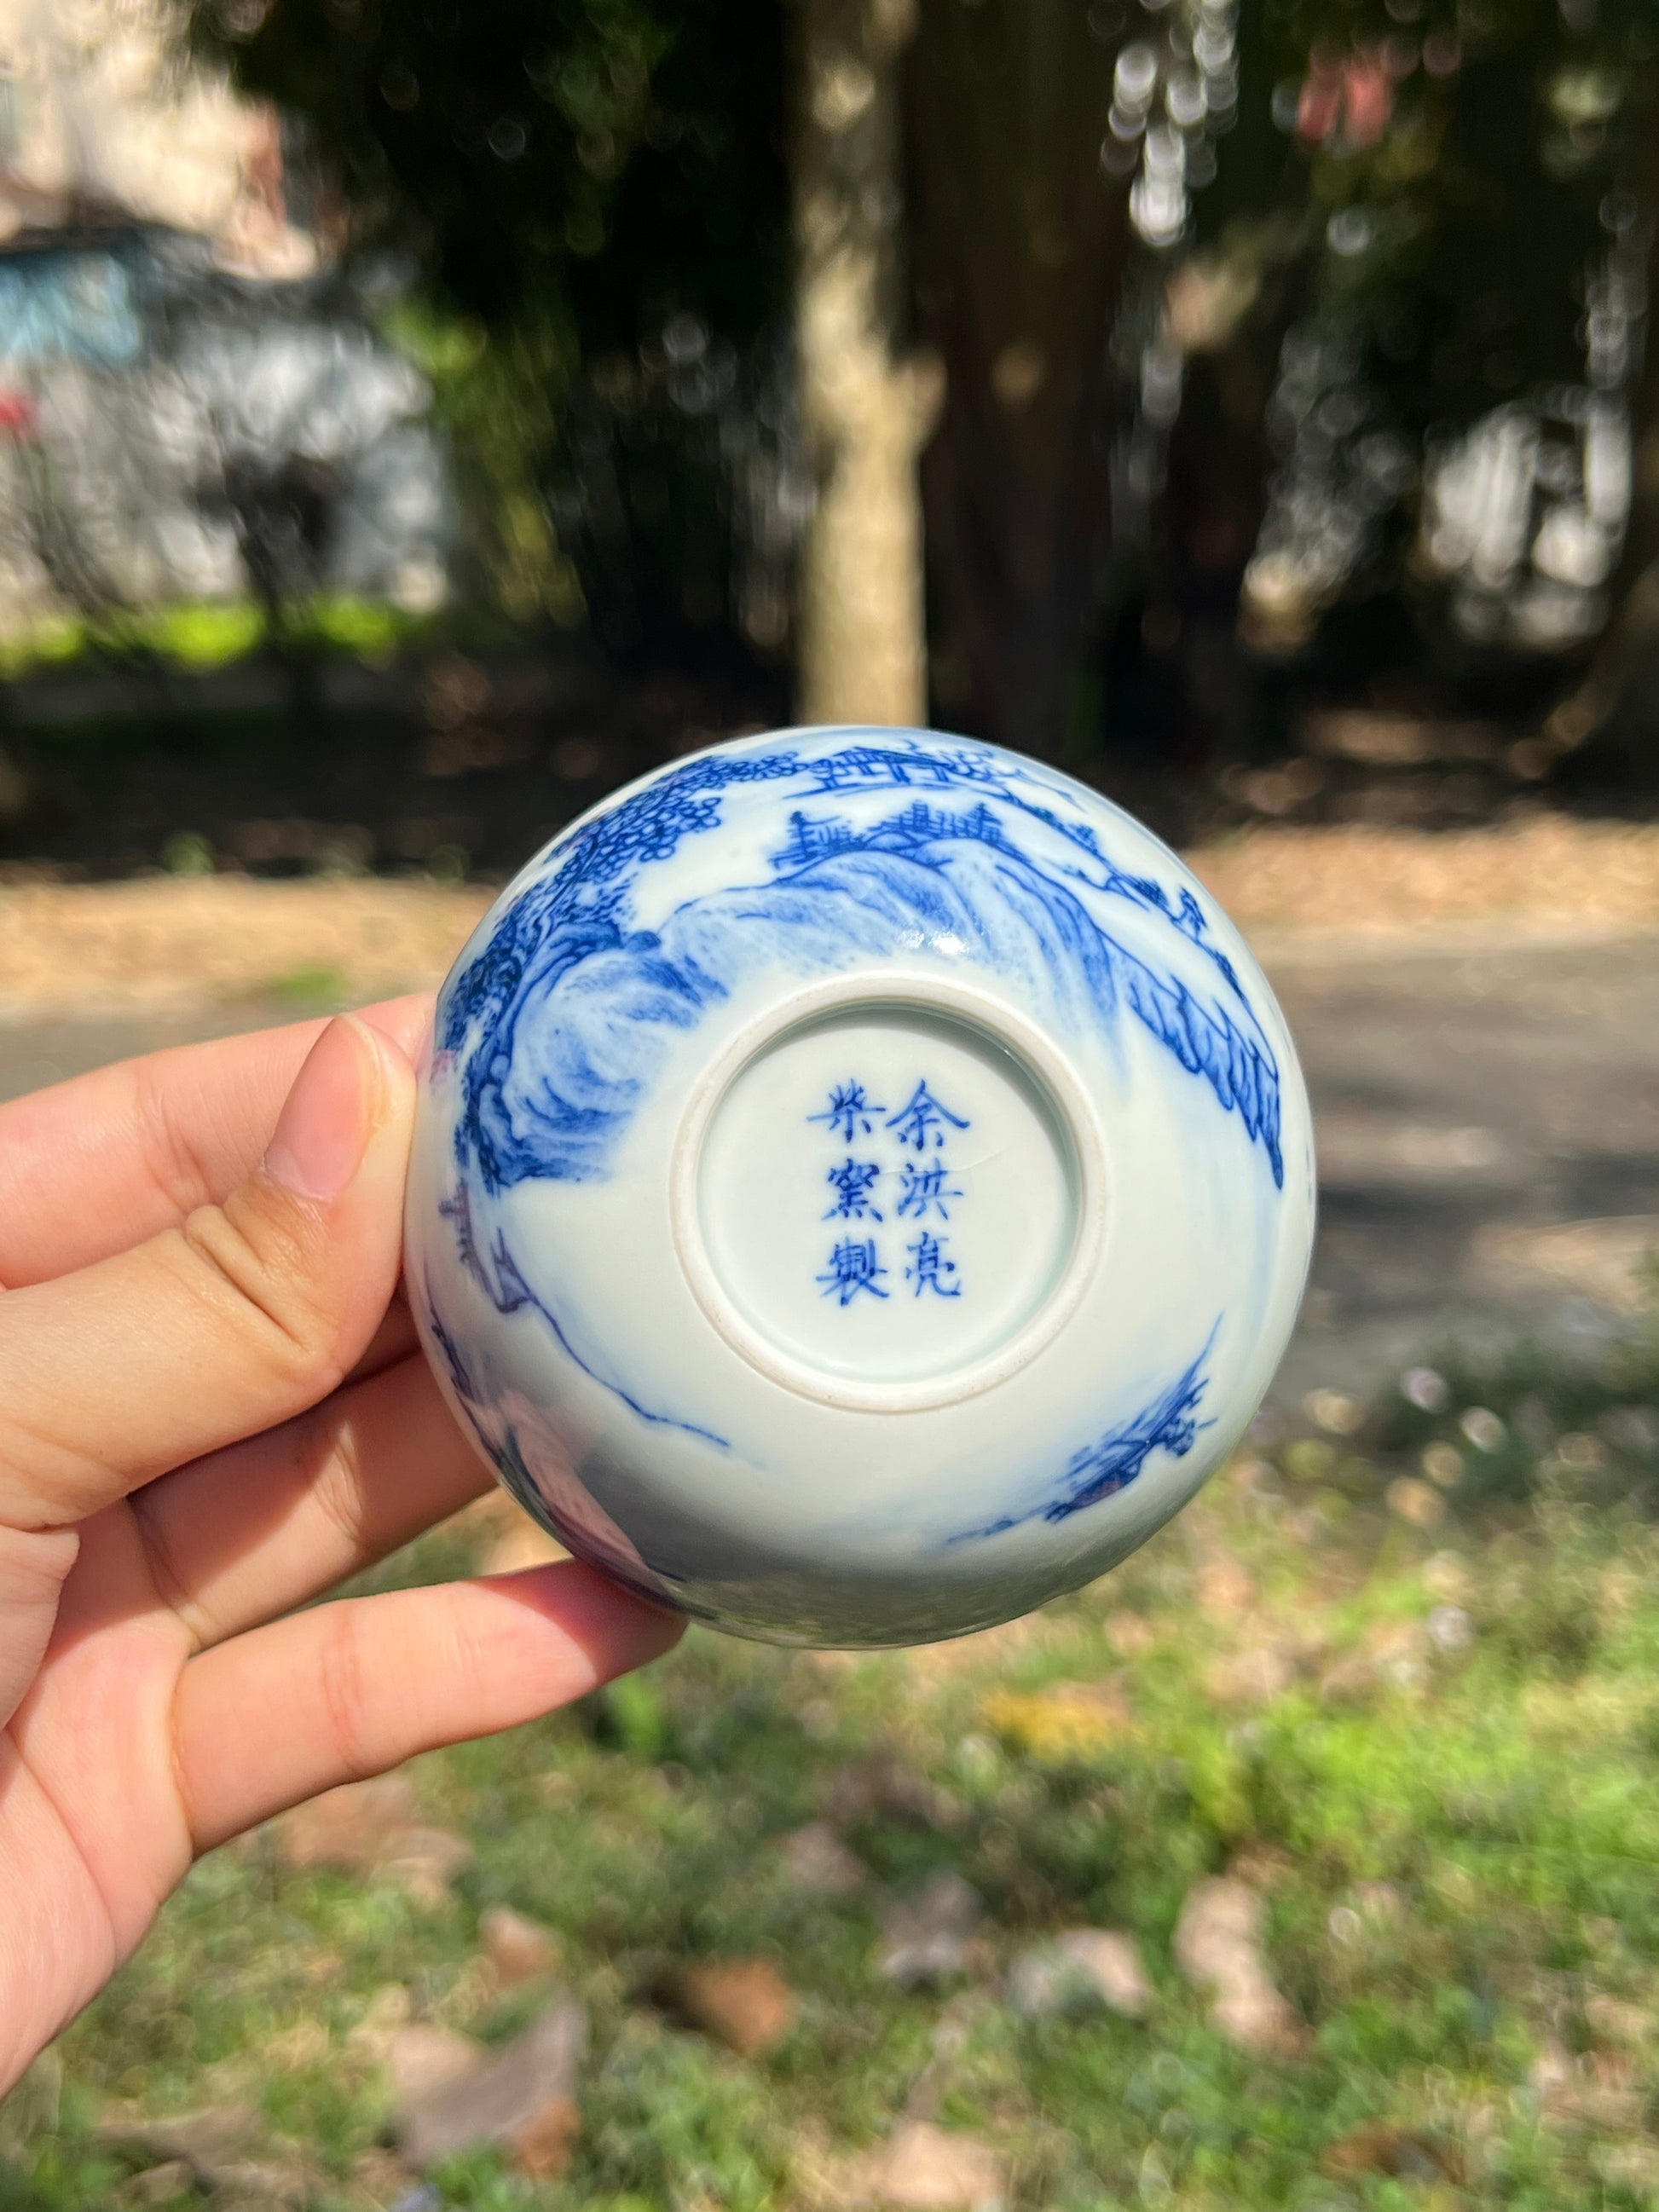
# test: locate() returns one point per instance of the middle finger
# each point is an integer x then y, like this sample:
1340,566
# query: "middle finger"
248,1533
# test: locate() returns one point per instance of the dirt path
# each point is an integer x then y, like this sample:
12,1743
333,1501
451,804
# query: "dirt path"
163,946
1478,1015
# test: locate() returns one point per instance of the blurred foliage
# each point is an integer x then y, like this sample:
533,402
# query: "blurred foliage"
1454,163
563,181
1425,1731
607,162
498,396
1437,208
211,634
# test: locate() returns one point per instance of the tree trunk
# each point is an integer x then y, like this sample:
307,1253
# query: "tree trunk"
862,652
1021,245
1622,681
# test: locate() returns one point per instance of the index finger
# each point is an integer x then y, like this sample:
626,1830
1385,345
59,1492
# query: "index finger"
93,1166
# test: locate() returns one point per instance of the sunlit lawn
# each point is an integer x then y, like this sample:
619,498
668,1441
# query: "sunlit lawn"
1431,1743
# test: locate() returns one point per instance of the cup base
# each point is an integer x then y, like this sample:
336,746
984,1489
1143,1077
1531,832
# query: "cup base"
885,1196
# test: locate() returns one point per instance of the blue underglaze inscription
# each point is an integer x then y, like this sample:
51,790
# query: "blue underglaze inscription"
851,1181
922,1190
857,1264
853,1268
849,1113
924,1121
931,1270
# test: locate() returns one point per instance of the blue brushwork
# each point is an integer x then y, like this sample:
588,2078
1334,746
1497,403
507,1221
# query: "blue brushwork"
932,1267
460,1374
569,932
1101,1470
861,767
849,1113
925,1187
853,1268
924,1120
564,919
501,1278
852,1181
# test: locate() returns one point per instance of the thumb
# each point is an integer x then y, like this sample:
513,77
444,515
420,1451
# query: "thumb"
248,1314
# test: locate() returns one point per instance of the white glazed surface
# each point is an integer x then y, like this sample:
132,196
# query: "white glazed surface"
862,1187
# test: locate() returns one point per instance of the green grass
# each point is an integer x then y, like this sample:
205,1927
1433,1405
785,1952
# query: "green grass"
195,636
1297,1681
317,990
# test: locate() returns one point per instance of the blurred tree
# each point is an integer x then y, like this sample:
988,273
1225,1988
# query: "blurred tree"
866,409
567,177
1020,247
1619,692
1454,190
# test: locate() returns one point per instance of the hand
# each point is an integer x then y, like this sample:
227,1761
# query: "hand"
212,1408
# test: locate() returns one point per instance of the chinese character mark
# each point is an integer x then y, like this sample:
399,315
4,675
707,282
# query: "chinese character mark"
932,1267
923,1120
853,1268
852,1183
924,1188
849,1112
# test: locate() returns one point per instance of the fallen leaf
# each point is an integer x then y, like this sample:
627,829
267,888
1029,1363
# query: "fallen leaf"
382,2177
1250,1678
1616,2020
925,1937
542,2148
1079,1968
158,2184
423,2057
1377,2147
523,2097
886,1785
352,1827
814,1858
744,2003
1598,2089
924,2168
1379,1902
390,2007
1262,1866
204,2139
1394,1652
1224,1586
1072,1721
1445,1577
1416,1501
267,2185
1632,2166
423,1862
518,1950
294,2049
373,1828
1218,1946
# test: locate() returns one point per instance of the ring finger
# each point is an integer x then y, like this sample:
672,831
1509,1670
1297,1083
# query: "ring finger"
248,1533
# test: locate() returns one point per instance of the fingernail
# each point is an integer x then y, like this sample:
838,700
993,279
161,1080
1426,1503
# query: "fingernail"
326,1119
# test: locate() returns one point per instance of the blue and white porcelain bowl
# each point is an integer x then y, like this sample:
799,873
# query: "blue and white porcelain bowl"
863,1185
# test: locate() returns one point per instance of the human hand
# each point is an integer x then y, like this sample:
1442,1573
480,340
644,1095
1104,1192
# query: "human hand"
213,1408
